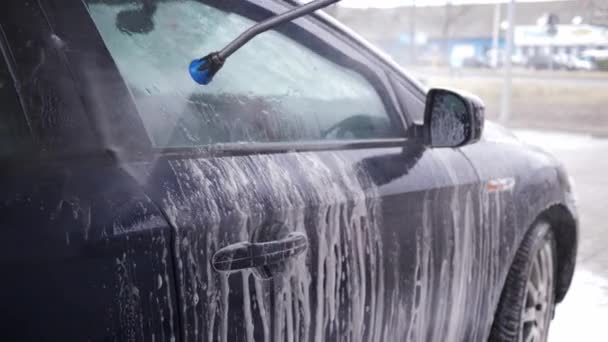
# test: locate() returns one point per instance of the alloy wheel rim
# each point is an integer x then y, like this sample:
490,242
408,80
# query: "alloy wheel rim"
538,303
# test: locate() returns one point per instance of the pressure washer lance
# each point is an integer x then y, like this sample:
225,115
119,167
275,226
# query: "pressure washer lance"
203,69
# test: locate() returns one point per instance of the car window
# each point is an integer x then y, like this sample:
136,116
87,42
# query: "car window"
12,136
273,90
414,106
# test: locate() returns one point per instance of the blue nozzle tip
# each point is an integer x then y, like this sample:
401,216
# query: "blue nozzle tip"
200,72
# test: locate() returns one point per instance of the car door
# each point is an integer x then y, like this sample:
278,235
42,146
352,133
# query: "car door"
300,210
483,258
85,254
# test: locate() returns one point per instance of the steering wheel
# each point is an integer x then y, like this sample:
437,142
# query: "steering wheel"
357,126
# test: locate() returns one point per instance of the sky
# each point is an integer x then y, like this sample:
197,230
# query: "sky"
398,3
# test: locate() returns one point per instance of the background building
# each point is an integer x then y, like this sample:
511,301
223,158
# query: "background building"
456,34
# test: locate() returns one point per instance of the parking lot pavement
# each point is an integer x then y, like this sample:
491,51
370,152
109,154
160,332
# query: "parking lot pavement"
583,314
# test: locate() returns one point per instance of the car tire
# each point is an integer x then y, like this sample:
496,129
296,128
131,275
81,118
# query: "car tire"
527,301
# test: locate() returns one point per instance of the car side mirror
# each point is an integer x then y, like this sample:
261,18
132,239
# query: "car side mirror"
452,119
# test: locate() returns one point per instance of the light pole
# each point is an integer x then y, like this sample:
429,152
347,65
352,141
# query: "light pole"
413,52
495,35
505,108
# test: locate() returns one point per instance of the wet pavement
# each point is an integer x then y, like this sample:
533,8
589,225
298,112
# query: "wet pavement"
584,313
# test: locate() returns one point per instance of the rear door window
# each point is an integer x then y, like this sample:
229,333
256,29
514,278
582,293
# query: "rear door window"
275,89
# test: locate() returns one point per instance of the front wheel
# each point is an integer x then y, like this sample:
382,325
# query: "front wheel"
527,302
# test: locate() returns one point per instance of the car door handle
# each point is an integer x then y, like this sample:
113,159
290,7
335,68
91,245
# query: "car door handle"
244,255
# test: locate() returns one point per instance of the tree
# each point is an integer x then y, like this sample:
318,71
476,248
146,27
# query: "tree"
597,12
452,14
332,10
413,43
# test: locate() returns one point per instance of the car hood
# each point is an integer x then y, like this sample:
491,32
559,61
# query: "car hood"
494,132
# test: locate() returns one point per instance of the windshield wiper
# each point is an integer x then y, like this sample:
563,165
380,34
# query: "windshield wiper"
203,69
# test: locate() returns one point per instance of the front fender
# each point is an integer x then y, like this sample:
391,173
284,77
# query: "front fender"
547,194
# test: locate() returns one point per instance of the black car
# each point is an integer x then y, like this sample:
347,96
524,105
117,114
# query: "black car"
306,194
